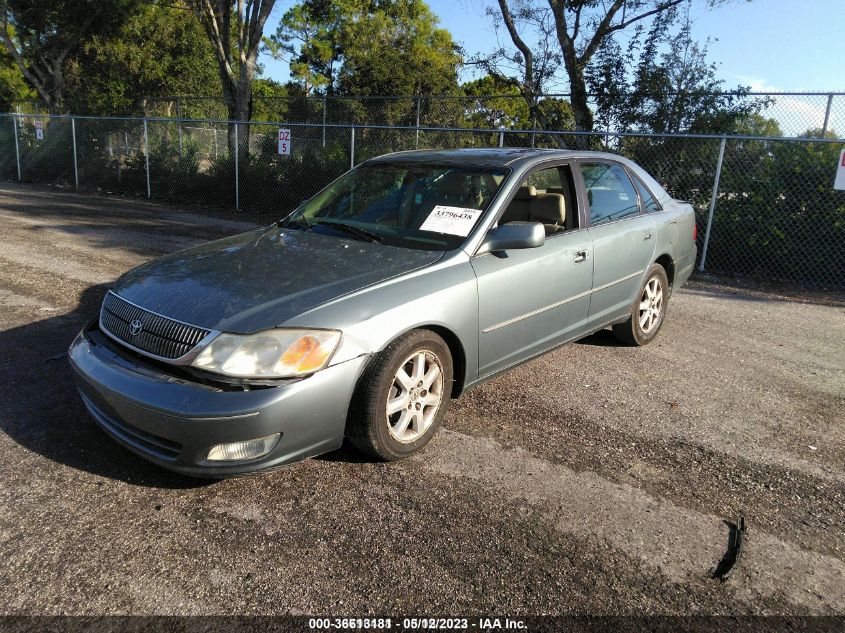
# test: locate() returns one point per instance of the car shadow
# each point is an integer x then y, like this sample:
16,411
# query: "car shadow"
41,409
348,454
602,338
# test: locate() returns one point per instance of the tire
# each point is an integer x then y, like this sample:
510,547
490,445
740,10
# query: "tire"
415,415
644,323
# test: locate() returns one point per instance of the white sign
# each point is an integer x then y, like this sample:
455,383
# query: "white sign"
451,220
839,183
284,142
39,129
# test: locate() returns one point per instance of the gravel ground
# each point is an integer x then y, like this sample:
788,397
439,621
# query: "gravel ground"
596,479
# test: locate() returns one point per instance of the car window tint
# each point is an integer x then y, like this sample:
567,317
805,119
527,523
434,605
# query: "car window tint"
545,179
650,205
609,191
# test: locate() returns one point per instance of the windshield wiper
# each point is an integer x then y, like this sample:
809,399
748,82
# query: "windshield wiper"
349,228
293,221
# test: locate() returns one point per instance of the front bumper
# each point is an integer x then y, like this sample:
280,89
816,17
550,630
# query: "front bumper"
174,422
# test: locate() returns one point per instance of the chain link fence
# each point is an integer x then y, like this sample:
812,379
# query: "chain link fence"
765,206
796,113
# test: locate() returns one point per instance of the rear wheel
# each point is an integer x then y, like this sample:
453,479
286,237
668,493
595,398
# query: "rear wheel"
648,310
403,398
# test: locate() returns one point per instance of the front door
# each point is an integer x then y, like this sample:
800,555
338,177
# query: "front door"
533,299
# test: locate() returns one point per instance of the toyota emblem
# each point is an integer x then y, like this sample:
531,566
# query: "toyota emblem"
135,327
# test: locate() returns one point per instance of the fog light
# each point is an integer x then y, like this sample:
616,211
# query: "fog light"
248,449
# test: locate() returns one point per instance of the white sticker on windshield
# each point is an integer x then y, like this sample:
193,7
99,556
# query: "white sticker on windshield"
451,220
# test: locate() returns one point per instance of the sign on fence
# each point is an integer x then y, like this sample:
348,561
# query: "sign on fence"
284,142
39,129
839,182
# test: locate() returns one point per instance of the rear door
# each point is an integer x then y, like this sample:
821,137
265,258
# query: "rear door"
623,239
533,299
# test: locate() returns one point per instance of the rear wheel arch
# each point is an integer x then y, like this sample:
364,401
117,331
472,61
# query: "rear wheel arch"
668,264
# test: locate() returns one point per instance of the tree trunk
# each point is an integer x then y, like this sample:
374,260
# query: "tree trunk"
239,105
580,107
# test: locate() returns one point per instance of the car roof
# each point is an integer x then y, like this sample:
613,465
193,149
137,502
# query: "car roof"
487,156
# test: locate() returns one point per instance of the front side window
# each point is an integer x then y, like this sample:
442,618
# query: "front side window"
430,207
609,191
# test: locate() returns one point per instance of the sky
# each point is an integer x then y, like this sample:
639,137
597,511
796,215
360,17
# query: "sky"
767,45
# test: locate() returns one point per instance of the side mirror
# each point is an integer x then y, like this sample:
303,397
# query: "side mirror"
514,235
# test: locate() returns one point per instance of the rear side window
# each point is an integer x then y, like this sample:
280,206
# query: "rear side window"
650,205
610,192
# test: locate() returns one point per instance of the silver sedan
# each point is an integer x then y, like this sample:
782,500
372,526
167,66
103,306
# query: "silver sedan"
408,280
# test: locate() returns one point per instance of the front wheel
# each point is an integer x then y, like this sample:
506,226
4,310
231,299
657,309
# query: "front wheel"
648,310
403,398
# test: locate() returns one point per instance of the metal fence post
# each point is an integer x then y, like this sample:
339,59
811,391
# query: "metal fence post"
417,138
147,157
179,122
237,174
501,138
352,148
17,149
712,203
827,114
75,165
324,120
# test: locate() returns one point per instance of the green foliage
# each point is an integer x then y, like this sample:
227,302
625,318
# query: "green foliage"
273,103
13,86
779,197
398,49
49,34
506,110
309,36
663,83
159,51
364,47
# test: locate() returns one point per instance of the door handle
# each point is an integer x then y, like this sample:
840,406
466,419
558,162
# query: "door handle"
646,235
580,256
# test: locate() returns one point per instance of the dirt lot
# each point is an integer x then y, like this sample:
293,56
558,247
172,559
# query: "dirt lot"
596,479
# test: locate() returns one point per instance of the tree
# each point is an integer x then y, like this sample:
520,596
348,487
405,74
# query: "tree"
581,27
41,35
235,30
663,83
508,109
536,66
504,109
13,86
367,47
397,48
160,51
309,39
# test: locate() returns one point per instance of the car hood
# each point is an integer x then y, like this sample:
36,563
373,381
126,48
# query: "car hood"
262,278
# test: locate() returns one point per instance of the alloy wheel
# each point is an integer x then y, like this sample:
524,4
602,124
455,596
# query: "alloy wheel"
415,396
651,305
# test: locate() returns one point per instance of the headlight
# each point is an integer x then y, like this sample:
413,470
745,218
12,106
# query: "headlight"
279,353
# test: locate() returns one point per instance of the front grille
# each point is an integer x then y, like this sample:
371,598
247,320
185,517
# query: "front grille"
159,336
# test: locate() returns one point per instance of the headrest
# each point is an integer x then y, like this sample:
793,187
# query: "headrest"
453,184
526,192
548,208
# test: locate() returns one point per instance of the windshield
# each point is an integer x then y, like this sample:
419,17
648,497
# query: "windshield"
430,207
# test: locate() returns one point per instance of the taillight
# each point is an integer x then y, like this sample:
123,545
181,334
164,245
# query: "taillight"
694,232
